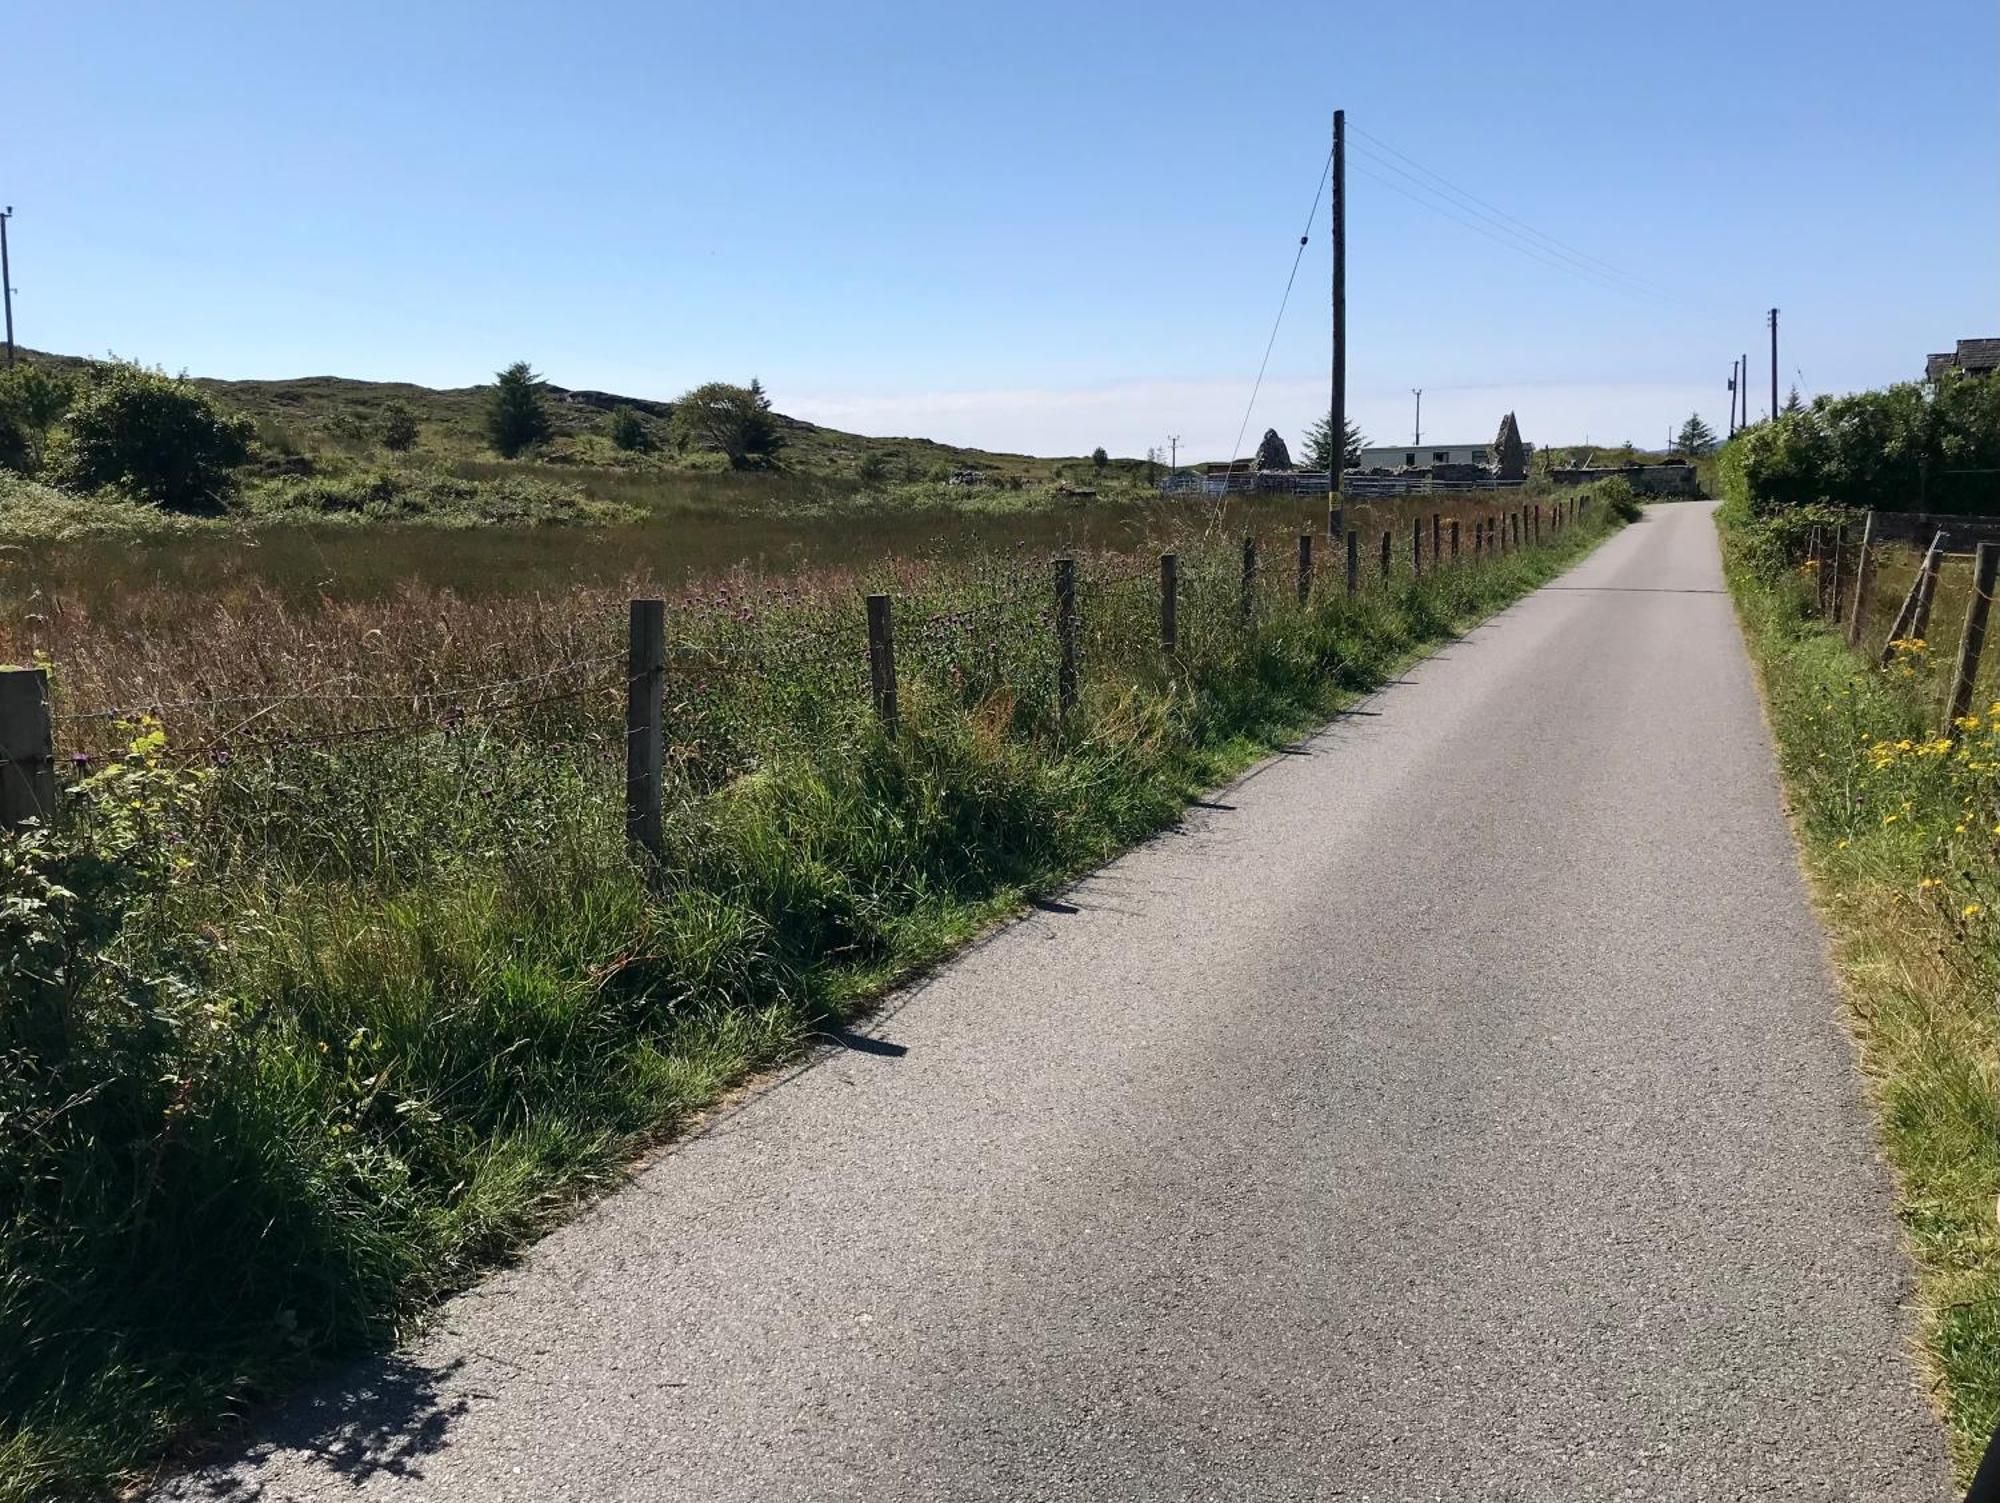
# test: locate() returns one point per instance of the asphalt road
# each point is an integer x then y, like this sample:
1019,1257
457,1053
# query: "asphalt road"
1455,1108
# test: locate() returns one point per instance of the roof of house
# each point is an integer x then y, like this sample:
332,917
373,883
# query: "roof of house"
1971,355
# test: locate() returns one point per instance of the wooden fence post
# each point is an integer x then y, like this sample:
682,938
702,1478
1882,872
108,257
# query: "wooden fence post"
645,709
1538,521
1906,613
1065,636
1385,556
1985,565
882,660
1170,602
1478,537
1454,539
1305,567
1416,547
27,749
1437,540
1353,561
1864,583
1920,620
1833,584
1815,556
1249,577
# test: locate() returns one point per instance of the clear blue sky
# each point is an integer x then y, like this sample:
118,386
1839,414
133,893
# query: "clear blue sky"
1037,226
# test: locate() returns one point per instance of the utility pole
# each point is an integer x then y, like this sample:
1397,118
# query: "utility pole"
1418,441
1732,399
1336,418
1174,450
7,283
1774,365
1743,381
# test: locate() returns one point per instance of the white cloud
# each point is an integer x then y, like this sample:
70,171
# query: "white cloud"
1129,417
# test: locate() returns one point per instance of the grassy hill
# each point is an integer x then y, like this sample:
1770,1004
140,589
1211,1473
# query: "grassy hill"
319,453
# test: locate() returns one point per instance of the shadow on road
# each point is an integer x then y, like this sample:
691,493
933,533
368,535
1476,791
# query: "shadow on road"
380,1418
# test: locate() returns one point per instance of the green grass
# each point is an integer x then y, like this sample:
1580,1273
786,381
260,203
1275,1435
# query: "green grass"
1900,828
300,1040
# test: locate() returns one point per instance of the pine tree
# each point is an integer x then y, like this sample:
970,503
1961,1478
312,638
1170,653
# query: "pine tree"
515,417
1099,458
1792,404
737,420
1695,437
1316,446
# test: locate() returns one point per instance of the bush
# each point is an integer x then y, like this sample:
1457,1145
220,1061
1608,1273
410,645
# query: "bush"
735,421
153,436
628,431
32,397
1910,447
515,417
399,428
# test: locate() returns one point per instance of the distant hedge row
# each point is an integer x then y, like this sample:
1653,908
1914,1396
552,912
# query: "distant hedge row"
1912,447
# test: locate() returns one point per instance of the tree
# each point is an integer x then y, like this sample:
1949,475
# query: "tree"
1272,453
515,417
1099,458
628,431
1792,404
399,427
154,436
1316,445
32,397
1695,437
733,420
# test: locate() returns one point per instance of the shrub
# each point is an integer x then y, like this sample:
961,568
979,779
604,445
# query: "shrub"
1099,458
153,436
629,432
515,417
1906,448
873,468
735,421
32,397
399,427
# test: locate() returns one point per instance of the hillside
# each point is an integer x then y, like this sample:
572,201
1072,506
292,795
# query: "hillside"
314,415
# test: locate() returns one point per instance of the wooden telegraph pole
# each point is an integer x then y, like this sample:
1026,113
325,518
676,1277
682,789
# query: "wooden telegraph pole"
1336,418
1774,365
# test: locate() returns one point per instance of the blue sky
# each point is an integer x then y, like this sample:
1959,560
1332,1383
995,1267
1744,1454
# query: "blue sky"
1040,226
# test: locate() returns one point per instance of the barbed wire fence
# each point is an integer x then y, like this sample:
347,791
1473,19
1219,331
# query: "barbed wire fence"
713,694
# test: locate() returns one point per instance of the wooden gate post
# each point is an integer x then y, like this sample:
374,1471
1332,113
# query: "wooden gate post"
1985,566
1170,602
1065,636
1906,613
1864,583
27,749
1353,562
1305,567
882,661
645,710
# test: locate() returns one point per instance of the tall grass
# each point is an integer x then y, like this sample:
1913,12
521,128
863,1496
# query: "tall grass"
1899,818
320,1000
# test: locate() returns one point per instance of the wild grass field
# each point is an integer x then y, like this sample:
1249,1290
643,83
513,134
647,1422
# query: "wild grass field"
1898,812
338,978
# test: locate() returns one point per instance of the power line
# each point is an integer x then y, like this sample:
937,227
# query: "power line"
1501,237
1472,199
1269,344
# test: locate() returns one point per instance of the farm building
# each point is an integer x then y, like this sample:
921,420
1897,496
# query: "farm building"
1423,456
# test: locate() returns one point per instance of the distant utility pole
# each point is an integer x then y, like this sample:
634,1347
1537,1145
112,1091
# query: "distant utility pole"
7,283
1774,364
1418,393
1743,384
1174,449
1336,417
1732,399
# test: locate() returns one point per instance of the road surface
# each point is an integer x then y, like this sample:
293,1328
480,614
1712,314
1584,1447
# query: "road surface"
1455,1108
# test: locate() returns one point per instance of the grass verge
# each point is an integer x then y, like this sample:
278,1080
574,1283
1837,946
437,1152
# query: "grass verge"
293,1044
1899,825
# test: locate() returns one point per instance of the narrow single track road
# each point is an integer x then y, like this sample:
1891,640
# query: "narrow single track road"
1455,1108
